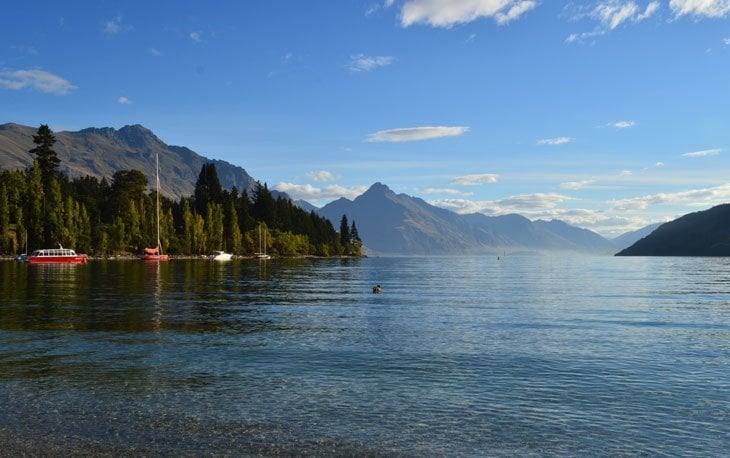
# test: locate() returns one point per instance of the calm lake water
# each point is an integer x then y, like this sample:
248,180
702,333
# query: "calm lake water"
457,356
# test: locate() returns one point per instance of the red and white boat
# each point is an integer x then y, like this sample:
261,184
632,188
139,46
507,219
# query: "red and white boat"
59,255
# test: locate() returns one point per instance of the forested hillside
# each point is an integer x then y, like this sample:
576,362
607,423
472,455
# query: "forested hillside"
41,208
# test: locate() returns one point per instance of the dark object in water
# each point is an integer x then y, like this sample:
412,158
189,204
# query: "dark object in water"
377,289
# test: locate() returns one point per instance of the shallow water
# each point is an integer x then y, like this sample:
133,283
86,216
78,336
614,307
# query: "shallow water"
457,356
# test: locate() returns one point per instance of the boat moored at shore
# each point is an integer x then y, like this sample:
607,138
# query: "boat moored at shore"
59,255
221,256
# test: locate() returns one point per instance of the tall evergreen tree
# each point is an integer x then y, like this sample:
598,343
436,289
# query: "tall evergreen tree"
264,205
344,232
207,189
354,235
47,158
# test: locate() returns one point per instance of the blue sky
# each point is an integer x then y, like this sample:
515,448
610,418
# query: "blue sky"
608,114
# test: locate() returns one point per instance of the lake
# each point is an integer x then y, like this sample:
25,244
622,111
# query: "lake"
458,356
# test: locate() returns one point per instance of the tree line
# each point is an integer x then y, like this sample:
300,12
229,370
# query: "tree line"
41,208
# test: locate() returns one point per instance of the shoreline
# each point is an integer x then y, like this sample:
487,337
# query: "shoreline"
200,257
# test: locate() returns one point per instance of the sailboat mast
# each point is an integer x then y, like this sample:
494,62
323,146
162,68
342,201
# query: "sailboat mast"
157,175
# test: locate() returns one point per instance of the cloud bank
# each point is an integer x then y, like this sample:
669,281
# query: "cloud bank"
309,192
697,198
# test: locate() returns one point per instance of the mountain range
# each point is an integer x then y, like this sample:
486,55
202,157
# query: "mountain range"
100,152
389,223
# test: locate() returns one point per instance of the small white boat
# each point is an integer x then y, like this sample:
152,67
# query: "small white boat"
221,256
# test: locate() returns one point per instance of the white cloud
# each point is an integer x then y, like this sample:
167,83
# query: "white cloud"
363,63
154,52
659,164
610,14
114,26
309,192
475,180
554,141
696,197
707,152
124,101
649,11
625,173
613,13
36,79
622,124
322,176
447,13
195,36
575,185
707,8
410,134
726,41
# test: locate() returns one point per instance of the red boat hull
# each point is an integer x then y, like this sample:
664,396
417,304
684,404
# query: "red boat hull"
78,259
155,257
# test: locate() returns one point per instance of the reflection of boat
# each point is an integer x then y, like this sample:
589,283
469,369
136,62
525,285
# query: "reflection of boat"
155,254
261,254
58,255
221,256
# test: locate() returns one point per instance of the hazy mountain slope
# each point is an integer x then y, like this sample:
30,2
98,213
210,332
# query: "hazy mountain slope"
102,151
629,238
583,240
306,206
704,233
401,224
542,235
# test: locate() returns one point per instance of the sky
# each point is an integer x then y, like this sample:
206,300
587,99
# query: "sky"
607,114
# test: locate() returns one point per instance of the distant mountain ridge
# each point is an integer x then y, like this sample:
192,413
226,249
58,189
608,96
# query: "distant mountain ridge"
624,241
703,233
100,152
391,223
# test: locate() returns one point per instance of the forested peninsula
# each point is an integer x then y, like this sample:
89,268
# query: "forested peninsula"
41,208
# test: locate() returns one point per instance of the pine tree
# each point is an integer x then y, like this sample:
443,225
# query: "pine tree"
344,232
207,189
47,159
